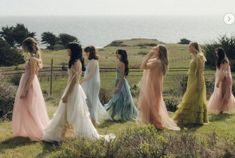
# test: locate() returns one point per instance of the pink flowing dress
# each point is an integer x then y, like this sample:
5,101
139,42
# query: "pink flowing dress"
222,99
151,104
30,116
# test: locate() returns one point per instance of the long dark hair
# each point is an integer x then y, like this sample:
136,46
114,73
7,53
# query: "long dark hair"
163,58
124,59
92,51
221,57
76,54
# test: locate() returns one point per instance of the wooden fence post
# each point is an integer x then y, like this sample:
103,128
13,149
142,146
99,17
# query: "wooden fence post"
51,77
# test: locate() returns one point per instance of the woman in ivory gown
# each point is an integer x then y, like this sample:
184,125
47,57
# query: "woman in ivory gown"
222,99
150,103
30,114
72,113
91,87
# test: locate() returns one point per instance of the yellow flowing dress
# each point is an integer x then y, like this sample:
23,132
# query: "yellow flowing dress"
193,108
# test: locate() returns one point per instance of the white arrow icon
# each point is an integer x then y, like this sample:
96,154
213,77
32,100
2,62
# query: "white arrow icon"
229,19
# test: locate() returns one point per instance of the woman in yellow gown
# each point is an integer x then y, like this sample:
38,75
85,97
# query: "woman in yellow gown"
193,108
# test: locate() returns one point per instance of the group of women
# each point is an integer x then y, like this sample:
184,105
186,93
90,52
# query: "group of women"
80,109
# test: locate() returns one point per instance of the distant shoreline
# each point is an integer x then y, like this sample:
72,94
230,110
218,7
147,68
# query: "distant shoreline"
101,30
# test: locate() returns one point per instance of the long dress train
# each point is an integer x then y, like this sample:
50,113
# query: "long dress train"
222,99
121,107
193,107
30,114
91,89
151,104
72,116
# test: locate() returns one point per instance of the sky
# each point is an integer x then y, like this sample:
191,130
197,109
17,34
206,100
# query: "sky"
115,7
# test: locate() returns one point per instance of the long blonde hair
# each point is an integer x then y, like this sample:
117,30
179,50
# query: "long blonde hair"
163,57
30,45
196,46
198,49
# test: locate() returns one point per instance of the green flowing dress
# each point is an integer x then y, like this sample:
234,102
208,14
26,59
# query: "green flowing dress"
193,108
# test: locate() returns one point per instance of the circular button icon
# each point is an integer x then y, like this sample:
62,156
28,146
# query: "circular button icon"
229,19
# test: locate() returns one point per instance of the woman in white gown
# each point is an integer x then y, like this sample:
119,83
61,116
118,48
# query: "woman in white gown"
91,87
72,112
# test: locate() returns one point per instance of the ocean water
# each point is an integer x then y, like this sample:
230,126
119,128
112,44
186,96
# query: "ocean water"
101,30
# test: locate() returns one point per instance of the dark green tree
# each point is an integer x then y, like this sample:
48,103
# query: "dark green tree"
14,35
49,39
9,56
7,34
228,44
66,39
184,41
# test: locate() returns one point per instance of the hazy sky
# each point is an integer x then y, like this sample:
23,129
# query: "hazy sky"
115,7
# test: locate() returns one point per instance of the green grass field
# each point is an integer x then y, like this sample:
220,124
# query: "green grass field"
223,125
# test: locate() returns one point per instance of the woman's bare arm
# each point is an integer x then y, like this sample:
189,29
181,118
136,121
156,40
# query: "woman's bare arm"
145,60
152,63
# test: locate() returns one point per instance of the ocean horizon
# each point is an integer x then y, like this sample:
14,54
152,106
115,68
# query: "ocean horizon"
102,30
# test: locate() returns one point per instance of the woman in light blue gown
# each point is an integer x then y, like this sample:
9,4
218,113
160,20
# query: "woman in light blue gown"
91,87
121,107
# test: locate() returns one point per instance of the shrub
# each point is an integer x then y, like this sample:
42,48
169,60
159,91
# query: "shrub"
171,103
135,90
172,92
143,53
9,56
15,79
184,41
183,84
147,142
228,44
7,98
82,148
209,85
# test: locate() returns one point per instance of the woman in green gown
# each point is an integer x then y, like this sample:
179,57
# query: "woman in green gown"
193,108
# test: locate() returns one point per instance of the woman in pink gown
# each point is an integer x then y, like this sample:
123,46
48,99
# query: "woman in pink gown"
30,114
151,104
222,99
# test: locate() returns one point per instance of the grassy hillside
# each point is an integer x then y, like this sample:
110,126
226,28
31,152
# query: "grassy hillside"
222,125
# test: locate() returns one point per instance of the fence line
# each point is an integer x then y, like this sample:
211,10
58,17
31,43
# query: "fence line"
62,71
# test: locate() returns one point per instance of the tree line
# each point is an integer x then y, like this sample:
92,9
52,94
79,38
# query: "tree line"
14,36
11,38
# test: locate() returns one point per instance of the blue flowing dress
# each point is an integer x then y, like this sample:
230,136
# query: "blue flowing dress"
121,107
